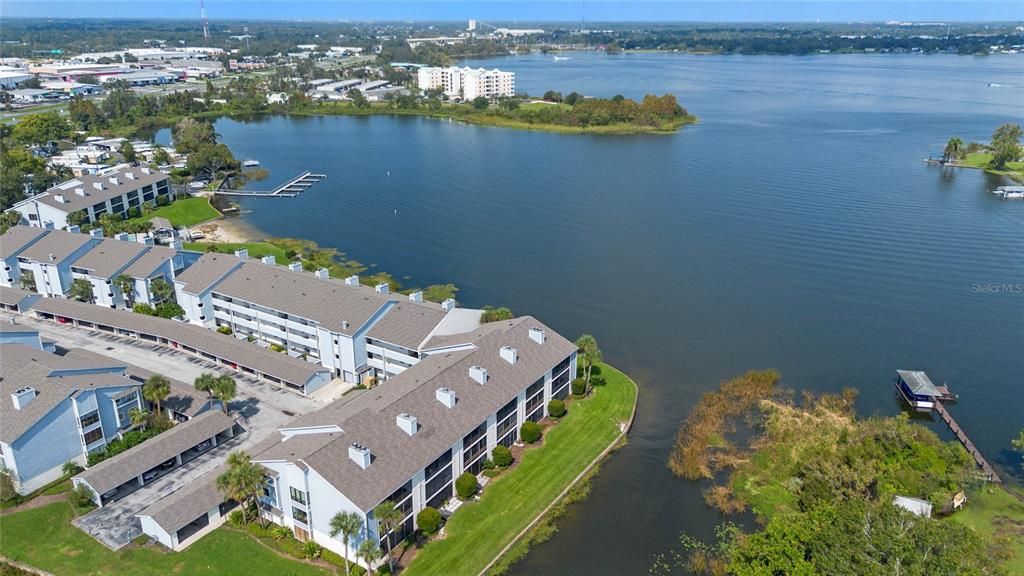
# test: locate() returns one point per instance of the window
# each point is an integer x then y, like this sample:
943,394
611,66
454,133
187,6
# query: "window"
270,490
298,495
435,466
562,366
93,436
300,515
535,387
90,419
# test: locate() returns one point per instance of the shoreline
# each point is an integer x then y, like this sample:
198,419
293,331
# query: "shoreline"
225,230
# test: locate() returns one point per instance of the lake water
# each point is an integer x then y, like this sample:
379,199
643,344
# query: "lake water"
794,227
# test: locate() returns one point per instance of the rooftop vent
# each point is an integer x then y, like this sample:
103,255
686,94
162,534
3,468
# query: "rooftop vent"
448,304
352,280
52,257
75,229
129,175
96,233
295,266
360,455
446,396
322,273
59,198
242,254
97,185
122,236
407,423
509,354
383,288
269,259
114,181
416,296
537,335
479,374
344,324
23,396
80,191
146,170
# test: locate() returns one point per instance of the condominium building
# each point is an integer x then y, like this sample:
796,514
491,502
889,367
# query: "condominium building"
467,83
57,409
49,261
110,192
406,442
356,331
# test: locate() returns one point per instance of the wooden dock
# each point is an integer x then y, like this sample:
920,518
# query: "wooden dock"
289,189
986,468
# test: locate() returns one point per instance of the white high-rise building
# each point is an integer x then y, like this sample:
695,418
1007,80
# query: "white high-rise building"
468,83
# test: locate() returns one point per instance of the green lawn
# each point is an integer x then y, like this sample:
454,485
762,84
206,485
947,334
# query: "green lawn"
980,160
186,212
44,538
256,249
994,512
478,531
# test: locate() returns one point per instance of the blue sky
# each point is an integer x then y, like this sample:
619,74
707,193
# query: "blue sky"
527,10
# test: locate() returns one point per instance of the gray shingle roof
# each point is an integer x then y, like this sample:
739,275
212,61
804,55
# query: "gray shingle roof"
407,324
280,366
125,183
146,264
370,418
117,470
27,366
17,238
58,243
178,509
109,257
13,296
919,382
206,271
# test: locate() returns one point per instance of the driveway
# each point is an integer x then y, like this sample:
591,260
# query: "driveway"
115,525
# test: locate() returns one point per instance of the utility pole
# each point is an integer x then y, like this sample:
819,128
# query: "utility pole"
206,24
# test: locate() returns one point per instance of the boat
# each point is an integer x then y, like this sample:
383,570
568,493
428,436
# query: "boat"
559,58
1010,192
250,163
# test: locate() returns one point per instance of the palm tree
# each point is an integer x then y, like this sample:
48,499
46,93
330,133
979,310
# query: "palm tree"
348,524
161,290
369,551
587,345
138,417
224,388
954,150
243,481
206,382
388,516
155,389
126,284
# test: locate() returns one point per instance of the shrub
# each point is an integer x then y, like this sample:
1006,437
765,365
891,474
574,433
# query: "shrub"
146,309
280,533
556,408
70,468
276,347
169,310
466,486
579,387
311,550
529,432
225,330
235,519
429,520
502,455
162,200
81,497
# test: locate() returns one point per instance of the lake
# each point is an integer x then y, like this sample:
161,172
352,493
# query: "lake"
794,227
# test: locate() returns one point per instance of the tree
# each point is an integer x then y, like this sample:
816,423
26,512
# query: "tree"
508,104
28,281
1005,146
529,432
572,98
552,96
466,486
556,408
190,134
7,490
169,310
77,218
161,289
155,389
128,153
9,219
587,345
160,156
70,468
954,150
138,417
85,115
357,98
41,128
225,389
243,482
1018,442
388,516
206,382
142,308
348,524
126,284
492,314
369,551
81,290
429,520
209,159
480,103
501,455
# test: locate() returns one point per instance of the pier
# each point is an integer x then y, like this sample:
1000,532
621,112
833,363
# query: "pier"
289,189
986,468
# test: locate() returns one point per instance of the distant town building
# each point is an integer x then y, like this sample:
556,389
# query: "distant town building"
10,77
439,40
467,83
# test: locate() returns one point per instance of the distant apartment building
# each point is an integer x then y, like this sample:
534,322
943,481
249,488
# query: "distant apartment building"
356,331
405,443
57,409
467,83
48,262
110,192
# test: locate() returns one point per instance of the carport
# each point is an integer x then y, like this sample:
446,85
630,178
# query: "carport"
186,515
121,475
